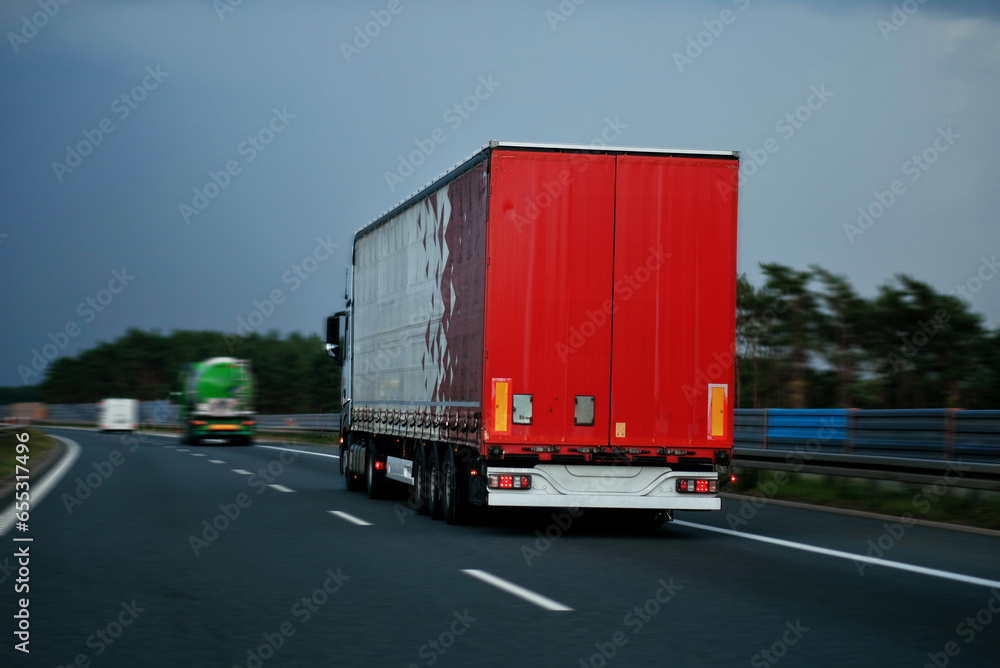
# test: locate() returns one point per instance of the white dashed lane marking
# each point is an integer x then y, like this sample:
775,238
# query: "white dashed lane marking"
350,518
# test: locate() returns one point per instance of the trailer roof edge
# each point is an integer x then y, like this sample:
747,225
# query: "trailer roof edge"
482,153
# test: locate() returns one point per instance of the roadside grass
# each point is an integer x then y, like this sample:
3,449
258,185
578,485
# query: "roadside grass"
934,502
38,444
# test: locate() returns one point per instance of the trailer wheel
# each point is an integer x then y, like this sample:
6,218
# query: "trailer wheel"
419,502
355,483
375,478
434,483
455,497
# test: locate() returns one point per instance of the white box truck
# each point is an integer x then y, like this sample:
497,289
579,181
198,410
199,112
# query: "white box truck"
118,415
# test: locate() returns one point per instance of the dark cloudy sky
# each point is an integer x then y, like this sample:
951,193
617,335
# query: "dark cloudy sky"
115,112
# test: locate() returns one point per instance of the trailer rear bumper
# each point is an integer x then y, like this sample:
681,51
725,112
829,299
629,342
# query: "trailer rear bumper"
559,486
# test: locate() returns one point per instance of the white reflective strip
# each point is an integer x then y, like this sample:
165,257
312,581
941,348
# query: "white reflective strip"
242,472
281,488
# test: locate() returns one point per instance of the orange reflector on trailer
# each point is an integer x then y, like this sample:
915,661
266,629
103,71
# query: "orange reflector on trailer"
717,411
500,394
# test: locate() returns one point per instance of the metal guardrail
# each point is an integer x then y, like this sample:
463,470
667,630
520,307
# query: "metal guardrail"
165,414
924,445
322,422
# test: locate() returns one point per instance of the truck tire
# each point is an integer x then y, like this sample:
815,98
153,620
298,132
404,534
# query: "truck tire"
455,491
354,481
375,478
420,479
434,506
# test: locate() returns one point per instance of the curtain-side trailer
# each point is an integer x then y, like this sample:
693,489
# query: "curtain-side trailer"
546,326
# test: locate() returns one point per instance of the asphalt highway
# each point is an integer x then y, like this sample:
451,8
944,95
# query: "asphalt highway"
149,553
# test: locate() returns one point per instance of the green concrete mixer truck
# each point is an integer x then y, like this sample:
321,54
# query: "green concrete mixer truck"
216,401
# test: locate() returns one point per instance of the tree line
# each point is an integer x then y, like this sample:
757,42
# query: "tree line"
806,339
293,374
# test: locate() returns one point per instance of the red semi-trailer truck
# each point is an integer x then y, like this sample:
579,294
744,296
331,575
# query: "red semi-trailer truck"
546,326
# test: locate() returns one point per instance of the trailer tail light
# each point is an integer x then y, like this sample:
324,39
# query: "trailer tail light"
379,465
510,481
697,486
249,423
199,423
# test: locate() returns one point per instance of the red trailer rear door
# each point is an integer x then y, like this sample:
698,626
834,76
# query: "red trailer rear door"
548,298
675,300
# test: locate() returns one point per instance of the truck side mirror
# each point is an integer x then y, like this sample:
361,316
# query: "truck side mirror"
335,330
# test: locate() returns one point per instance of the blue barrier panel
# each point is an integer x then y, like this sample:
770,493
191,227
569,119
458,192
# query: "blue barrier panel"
824,430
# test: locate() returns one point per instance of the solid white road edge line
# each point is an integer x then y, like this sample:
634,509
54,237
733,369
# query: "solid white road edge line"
517,590
350,518
49,481
304,452
923,570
